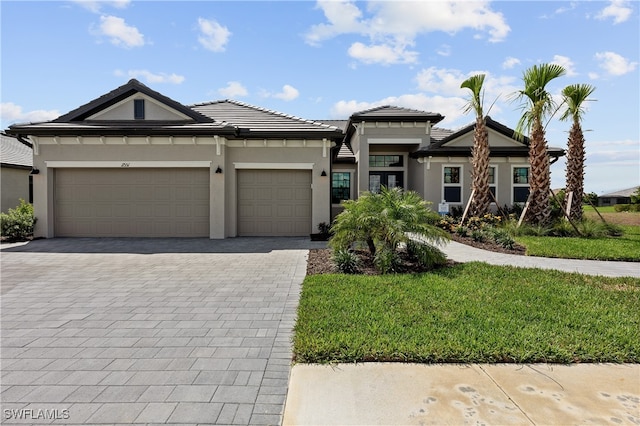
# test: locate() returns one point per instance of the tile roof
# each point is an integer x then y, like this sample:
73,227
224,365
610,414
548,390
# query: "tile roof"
15,153
394,113
252,120
621,193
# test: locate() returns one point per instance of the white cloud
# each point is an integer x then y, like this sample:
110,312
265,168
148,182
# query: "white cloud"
234,89
619,10
445,50
510,62
566,63
394,25
213,36
150,77
12,113
382,54
120,34
288,93
441,80
615,64
96,6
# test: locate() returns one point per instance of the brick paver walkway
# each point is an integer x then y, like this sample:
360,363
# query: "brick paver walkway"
121,331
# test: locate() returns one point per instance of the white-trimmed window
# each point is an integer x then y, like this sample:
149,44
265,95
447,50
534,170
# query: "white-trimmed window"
520,184
340,186
452,183
493,182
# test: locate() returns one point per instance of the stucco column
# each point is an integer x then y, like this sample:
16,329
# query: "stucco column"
217,195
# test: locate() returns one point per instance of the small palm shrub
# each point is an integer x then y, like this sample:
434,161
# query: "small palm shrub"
426,254
18,223
385,222
387,261
346,261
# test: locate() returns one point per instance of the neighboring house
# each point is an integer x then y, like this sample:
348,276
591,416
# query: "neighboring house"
136,163
16,159
618,197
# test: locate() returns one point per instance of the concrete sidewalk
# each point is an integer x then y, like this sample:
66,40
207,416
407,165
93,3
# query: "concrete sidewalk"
464,253
455,394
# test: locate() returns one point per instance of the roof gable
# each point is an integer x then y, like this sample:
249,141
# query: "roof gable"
394,113
98,108
457,143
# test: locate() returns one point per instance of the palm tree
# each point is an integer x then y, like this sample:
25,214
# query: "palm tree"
574,96
480,151
538,105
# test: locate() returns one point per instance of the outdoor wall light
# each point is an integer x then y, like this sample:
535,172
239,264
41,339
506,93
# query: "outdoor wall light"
219,170
34,171
323,173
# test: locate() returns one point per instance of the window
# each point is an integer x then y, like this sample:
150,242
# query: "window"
340,186
138,109
520,184
385,161
492,181
452,188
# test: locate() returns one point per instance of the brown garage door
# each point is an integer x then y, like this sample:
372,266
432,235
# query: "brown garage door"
274,202
140,202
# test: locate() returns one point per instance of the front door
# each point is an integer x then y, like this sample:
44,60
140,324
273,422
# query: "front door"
388,179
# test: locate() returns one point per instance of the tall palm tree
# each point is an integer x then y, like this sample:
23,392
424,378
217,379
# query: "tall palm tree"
574,96
480,151
538,105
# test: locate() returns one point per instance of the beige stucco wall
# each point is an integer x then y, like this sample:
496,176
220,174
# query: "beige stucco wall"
176,152
14,185
124,110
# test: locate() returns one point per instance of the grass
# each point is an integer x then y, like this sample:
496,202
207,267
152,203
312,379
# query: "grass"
624,248
470,312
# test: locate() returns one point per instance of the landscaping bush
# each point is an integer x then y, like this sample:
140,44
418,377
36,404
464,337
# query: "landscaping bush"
346,261
426,254
627,207
18,223
387,261
384,222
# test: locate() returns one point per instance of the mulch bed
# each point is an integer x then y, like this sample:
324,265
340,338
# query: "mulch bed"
319,261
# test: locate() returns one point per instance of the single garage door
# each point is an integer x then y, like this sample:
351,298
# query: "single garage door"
141,202
274,202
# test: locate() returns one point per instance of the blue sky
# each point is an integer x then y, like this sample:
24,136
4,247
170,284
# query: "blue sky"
328,59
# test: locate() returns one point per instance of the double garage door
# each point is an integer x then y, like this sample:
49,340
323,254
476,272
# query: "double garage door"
167,202
141,202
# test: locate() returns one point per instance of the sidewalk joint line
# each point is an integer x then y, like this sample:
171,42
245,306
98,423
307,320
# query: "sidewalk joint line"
506,394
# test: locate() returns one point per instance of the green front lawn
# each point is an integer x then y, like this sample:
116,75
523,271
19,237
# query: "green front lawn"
626,247
471,312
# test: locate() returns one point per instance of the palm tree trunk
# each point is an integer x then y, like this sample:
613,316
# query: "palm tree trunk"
539,212
480,170
575,170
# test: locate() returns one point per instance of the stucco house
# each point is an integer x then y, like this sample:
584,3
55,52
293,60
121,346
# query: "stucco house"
622,196
134,162
16,159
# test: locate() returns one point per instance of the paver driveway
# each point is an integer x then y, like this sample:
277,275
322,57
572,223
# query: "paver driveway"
188,331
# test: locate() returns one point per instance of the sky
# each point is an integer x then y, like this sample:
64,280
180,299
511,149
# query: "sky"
329,59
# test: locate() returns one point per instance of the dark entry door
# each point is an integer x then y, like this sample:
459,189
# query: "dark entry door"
388,179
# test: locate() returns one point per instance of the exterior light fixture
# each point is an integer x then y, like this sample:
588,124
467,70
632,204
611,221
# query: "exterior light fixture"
323,173
34,171
219,170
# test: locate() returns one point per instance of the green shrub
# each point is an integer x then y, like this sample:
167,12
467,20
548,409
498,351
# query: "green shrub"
503,238
346,261
426,254
387,261
17,224
478,235
622,207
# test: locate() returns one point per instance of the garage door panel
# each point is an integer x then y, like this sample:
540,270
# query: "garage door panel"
274,202
132,202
